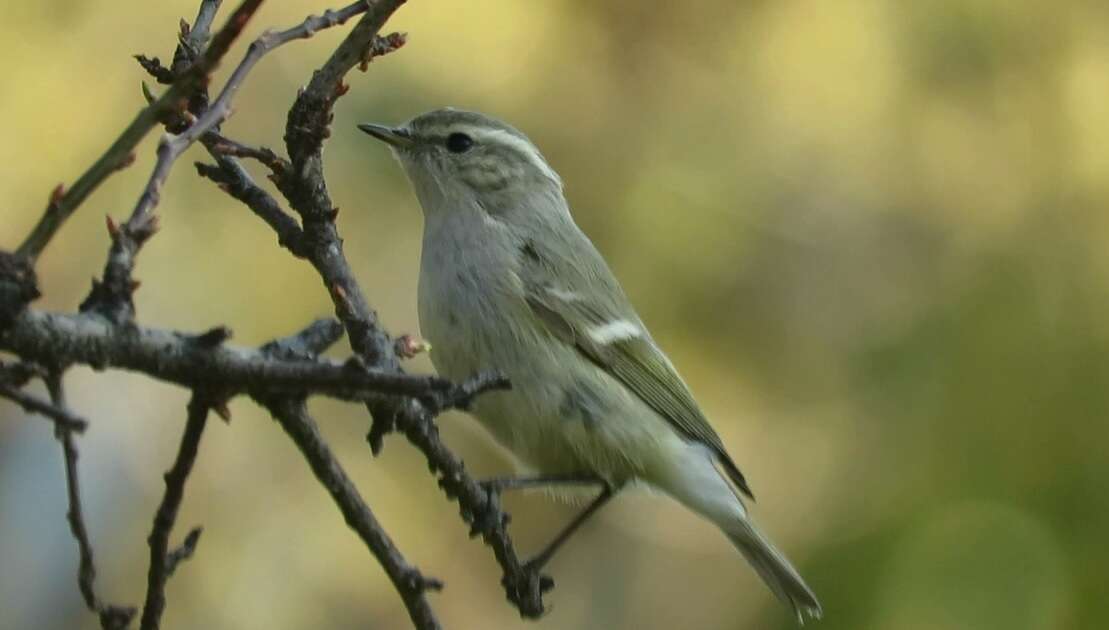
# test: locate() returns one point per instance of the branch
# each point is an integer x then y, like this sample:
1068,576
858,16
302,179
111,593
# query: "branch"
63,418
173,146
193,39
480,507
408,581
112,297
306,188
199,361
112,617
291,413
162,562
233,179
63,202
306,191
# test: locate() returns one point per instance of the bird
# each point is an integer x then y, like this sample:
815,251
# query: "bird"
508,281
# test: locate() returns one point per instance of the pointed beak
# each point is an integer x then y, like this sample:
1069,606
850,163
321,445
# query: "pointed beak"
393,136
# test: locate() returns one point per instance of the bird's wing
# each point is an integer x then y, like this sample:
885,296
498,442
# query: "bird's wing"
591,313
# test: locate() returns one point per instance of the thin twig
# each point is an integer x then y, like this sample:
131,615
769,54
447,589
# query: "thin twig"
112,297
222,145
184,551
305,130
233,179
409,582
63,418
192,41
120,154
171,146
166,515
112,617
524,585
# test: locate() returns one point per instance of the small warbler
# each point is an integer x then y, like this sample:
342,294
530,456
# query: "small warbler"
509,282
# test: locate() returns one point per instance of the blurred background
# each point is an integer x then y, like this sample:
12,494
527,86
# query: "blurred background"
870,234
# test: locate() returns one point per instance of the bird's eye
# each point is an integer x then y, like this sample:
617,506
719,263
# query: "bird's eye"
459,143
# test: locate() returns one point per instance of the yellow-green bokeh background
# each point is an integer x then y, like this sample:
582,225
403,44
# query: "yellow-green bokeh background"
870,234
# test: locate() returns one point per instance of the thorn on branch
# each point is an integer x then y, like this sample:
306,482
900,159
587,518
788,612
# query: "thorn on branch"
212,337
462,396
418,582
154,68
18,286
56,197
126,161
113,229
147,93
382,424
111,297
184,552
223,411
381,45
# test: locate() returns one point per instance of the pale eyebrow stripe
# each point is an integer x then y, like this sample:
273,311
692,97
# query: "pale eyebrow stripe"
516,143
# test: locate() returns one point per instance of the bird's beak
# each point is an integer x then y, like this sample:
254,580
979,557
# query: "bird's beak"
393,136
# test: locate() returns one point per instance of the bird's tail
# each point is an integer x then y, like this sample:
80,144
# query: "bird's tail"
774,569
691,476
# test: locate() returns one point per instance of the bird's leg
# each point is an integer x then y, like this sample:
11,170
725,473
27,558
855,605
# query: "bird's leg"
540,559
498,484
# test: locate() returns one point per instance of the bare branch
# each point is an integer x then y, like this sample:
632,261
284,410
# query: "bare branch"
112,297
161,562
408,581
173,146
61,417
235,181
282,373
222,145
112,617
524,585
119,154
306,190
179,358
193,39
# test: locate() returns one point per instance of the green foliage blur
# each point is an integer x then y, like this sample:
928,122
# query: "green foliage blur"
869,233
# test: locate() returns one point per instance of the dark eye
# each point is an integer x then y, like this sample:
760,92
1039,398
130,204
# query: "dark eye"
459,143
